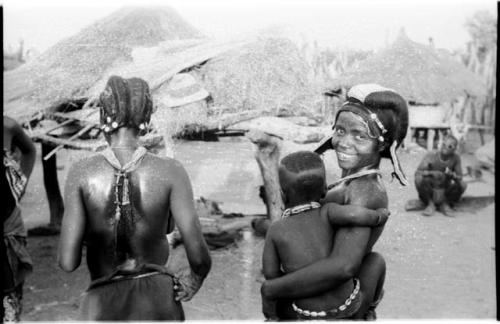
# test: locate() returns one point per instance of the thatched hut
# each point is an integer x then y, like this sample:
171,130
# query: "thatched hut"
269,74
68,76
438,88
70,68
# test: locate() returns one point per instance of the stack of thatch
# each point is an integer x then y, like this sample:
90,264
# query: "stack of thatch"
268,74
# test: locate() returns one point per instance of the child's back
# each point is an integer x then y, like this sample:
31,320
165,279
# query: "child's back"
302,239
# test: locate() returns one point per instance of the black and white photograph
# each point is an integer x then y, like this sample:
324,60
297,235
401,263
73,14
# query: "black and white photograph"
169,160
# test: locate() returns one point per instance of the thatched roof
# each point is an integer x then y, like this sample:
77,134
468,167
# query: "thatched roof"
268,74
418,72
71,67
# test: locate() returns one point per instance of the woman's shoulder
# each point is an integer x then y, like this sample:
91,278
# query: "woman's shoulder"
367,191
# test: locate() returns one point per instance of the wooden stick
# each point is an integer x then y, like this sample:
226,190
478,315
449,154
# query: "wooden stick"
80,133
69,121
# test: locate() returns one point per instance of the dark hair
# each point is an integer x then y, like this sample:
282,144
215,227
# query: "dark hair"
392,111
310,185
125,103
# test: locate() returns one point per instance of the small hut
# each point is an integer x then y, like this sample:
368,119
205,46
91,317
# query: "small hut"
62,84
438,88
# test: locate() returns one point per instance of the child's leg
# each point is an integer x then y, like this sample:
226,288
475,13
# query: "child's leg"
372,277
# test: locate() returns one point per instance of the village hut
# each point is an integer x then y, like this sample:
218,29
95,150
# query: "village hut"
62,84
438,87
67,70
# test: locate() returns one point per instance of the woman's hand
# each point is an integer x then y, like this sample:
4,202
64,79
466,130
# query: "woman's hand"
186,285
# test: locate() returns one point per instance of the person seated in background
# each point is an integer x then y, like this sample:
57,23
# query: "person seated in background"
19,155
438,179
306,232
119,205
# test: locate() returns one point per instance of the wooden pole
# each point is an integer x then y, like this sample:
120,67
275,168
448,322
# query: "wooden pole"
267,156
57,148
51,184
431,133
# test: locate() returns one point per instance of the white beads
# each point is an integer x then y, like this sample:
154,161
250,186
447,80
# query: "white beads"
114,124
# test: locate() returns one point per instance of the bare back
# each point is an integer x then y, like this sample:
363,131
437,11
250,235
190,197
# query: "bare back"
150,188
303,239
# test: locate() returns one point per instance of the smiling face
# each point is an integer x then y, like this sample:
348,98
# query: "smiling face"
354,147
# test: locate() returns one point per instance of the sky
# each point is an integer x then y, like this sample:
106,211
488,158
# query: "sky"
340,24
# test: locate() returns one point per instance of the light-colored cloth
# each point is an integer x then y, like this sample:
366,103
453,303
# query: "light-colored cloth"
15,176
12,305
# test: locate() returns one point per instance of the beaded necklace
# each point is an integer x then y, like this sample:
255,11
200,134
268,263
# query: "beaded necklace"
300,208
122,192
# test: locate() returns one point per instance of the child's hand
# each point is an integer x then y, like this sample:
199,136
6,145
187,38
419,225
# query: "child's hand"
269,309
186,286
383,216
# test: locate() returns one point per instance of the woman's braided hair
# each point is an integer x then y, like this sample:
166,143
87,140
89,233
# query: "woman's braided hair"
125,103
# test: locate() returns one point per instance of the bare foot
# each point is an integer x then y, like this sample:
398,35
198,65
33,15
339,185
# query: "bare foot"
430,209
414,205
446,210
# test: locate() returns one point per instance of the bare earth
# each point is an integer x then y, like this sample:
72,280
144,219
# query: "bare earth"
437,267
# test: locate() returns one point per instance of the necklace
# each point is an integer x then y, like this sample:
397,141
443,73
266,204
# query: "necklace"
354,176
300,208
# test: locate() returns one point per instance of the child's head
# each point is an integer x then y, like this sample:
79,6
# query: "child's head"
449,145
125,103
371,124
302,177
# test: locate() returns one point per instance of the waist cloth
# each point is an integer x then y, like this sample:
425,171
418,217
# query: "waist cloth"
17,264
143,294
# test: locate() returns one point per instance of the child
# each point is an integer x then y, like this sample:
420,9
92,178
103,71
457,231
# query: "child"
370,125
305,233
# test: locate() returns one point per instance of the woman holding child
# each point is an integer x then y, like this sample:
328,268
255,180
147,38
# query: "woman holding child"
369,126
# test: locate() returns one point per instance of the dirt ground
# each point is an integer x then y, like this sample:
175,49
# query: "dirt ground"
437,267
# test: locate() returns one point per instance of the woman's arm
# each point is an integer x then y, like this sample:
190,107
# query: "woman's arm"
21,140
73,222
184,214
350,246
342,264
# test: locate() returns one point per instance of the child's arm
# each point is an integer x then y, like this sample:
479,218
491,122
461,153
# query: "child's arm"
271,269
354,215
